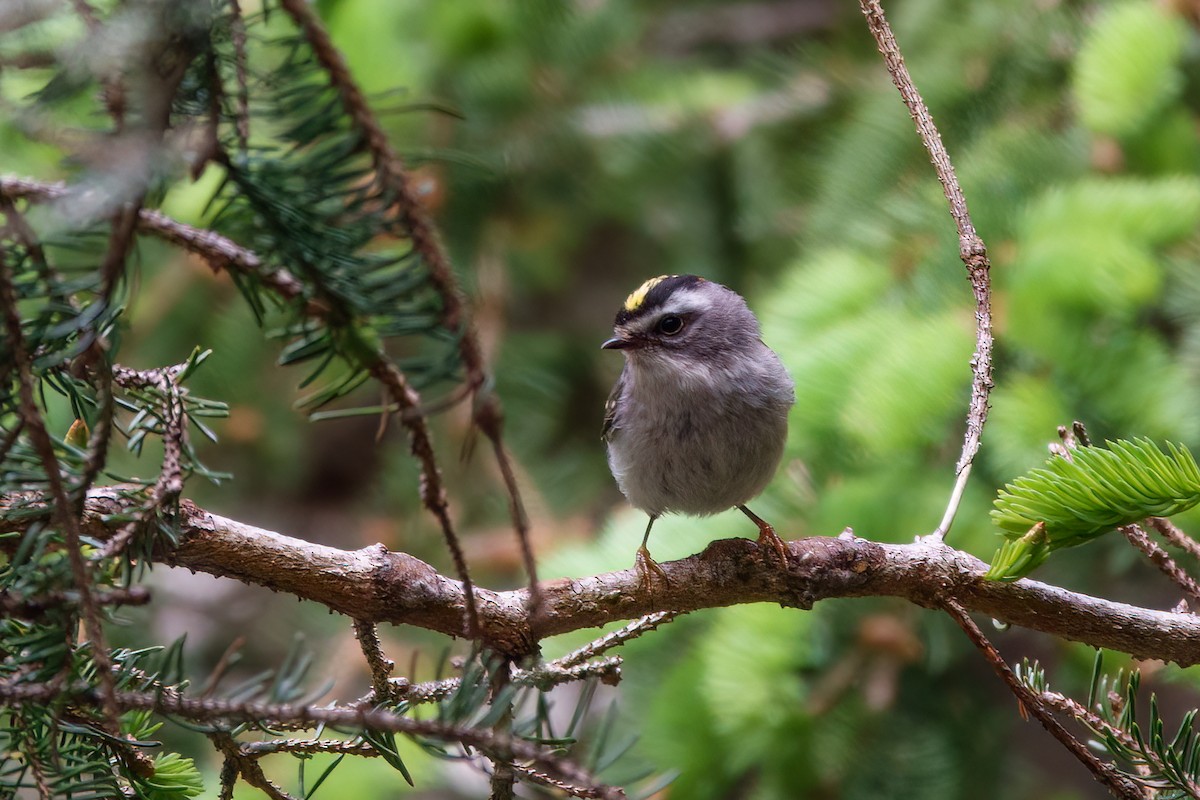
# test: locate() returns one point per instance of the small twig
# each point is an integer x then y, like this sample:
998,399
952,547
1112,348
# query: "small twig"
35,764
1137,536
24,233
229,776
217,250
544,677
248,766
169,484
12,604
352,747
615,639
414,693
1169,531
433,491
397,187
542,779
113,89
222,666
970,247
380,665
490,419
1102,727
504,777
1120,785
237,26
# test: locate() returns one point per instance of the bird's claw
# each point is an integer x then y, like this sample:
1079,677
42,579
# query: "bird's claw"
646,568
767,538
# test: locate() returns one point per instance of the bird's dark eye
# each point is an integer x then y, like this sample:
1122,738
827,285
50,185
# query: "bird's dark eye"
670,325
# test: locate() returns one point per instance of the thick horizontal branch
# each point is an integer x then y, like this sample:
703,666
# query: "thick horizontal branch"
377,585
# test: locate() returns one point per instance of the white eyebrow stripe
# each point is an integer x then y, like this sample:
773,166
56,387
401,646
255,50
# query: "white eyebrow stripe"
681,301
686,301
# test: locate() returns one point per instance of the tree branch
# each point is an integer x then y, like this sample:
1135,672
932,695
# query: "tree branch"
376,585
970,249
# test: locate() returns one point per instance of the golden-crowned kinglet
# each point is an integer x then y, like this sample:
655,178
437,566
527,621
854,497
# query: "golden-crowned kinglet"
697,421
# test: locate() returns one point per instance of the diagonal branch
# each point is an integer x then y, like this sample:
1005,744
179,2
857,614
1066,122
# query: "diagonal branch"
394,180
1120,785
381,586
970,249
1137,536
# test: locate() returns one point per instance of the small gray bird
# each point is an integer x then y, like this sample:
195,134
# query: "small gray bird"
697,421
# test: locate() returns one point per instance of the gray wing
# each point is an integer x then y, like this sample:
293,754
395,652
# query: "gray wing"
610,408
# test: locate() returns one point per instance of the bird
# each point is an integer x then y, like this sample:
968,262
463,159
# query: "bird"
697,420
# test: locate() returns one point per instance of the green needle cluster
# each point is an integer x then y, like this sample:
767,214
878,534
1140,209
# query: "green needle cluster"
1072,500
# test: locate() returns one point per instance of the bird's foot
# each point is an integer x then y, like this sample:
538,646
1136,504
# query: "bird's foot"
769,541
647,568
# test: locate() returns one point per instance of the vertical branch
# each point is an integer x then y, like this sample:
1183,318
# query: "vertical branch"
169,484
490,419
64,512
238,29
380,665
433,492
504,778
393,179
1120,785
970,248
113,90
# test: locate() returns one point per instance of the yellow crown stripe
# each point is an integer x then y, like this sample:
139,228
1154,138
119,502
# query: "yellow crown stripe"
635,300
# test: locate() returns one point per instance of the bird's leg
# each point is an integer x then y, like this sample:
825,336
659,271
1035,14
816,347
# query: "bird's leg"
645,565
767,536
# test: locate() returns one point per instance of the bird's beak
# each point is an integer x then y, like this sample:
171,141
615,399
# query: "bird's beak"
616,343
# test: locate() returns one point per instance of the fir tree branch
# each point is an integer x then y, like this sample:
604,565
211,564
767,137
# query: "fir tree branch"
64,511
543,676
351,747
223,253
219,251
394,180
1106,774
617,638
169,483
970,246
1103,727
14,605
247,766
542,779
207,711
1175,536
381,586
1137,536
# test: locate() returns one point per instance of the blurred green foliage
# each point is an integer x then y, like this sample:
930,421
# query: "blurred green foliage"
571,150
